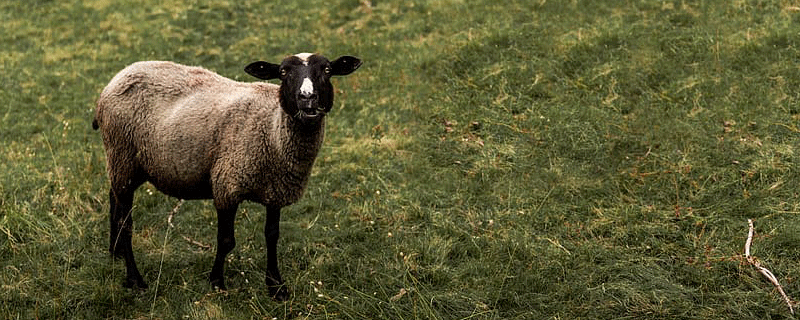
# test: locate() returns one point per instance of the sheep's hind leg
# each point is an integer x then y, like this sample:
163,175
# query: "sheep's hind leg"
226,241
114,228
121,233
271,232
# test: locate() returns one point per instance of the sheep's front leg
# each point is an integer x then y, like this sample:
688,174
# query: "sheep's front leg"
271,232
225,243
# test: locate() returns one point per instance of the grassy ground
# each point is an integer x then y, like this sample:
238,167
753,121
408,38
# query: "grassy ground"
490,160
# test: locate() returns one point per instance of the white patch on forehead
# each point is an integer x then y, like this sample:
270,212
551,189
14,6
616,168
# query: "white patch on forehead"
307,88
304,56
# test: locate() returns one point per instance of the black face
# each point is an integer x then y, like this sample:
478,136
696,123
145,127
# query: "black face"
306,92
305,87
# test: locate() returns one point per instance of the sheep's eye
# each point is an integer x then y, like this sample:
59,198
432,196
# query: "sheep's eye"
283,72
328,70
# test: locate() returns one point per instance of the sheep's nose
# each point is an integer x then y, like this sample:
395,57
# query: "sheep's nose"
308,96
307,92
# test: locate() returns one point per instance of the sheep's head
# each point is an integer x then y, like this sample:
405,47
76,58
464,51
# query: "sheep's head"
306,92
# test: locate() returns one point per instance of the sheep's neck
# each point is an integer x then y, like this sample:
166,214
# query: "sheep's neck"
298,144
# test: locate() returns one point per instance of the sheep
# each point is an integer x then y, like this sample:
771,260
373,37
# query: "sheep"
194,134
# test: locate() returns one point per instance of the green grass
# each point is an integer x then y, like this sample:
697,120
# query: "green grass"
490,160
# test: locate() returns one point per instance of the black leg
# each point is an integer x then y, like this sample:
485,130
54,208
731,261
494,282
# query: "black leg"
226,241
271,233
114,227
121,233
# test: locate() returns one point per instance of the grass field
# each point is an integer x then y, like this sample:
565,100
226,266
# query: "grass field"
490,160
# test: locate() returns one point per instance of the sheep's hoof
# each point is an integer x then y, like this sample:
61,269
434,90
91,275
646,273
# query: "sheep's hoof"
279,292
135,283
218,284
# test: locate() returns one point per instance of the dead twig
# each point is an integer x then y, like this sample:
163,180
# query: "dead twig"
189,240
756,264
173,212
399,295
197,243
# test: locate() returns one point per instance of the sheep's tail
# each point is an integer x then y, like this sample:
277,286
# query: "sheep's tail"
95,123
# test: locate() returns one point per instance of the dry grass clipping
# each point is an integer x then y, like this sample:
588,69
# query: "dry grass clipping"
755,263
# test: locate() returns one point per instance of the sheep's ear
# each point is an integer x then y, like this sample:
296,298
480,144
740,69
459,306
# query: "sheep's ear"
345,65
263,70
